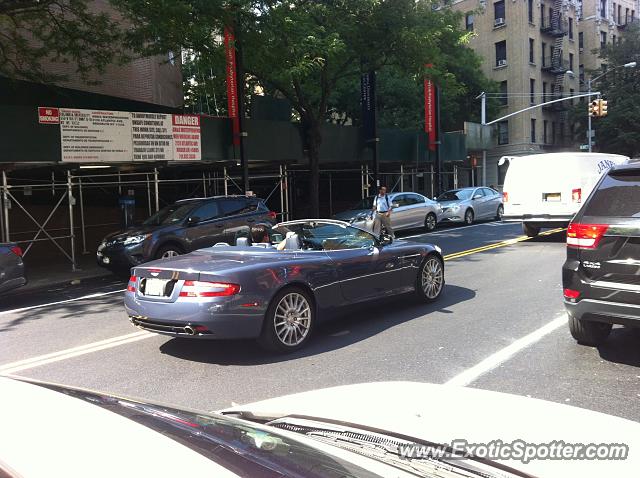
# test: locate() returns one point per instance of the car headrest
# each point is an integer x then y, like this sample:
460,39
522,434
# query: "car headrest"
291,242
220,244
242,242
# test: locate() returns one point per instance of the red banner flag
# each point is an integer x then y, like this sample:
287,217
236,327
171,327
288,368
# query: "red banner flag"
232,85
430,120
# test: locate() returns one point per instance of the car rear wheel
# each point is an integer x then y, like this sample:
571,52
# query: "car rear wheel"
530,230
169,251
430,280
500,213
588,332
468,217
288,322
430,222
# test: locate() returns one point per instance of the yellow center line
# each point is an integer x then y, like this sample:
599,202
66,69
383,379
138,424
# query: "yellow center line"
495,245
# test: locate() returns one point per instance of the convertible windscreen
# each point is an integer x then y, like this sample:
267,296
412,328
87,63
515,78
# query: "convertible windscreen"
328,237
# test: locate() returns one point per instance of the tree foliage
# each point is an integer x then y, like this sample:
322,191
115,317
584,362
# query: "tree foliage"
313,52
36,32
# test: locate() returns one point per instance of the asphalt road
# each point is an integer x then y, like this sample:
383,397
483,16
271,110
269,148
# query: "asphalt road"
499,325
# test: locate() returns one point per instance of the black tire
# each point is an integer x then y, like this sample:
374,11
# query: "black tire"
500,212
468,217
273,337
430,222
530,230
589,333
169,250
431,270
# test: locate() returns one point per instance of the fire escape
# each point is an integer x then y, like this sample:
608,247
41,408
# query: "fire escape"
555,25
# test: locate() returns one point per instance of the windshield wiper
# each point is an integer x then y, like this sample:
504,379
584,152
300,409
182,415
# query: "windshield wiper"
388,449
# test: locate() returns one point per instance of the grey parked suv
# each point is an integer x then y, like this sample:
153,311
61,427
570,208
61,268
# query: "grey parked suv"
183,227
11,267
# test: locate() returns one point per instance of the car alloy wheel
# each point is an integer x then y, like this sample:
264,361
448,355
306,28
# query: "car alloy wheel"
430,222
468,216
292,319
431,278
500,213
168,254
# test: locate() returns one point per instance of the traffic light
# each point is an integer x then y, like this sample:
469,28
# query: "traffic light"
602,108
594,108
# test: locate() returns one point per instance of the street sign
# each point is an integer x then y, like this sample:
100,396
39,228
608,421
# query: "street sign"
593,133
584,147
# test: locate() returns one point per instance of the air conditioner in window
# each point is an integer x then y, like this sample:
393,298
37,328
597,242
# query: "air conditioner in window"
502,62
498,22
581,50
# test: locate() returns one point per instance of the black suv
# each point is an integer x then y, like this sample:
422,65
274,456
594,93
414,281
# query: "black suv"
184,227
601,277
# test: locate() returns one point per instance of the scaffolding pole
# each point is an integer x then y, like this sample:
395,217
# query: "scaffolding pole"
5,206
226,179
71,229
148,194
156,188
84,234
286,193
281,193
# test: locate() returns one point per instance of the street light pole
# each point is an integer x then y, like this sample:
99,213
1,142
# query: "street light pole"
589,116
483,121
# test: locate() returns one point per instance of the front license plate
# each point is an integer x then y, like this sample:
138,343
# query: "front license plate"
155,287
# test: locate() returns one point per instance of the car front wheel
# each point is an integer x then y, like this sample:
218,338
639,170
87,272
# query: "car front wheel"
168,252
468,217
500,213
430,222
288,322
587,332
430,280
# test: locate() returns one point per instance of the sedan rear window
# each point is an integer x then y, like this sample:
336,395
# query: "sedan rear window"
618,196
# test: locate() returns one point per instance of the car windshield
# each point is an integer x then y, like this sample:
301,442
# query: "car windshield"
327,236
455,195
169,215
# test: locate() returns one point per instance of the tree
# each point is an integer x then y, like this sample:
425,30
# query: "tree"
306,51
35,32
618,132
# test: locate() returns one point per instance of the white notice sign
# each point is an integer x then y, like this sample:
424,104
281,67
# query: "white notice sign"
95,136
152,135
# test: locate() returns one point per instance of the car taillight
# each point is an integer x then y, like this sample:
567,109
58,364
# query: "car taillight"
505,196
571,294
585,236
576,195
131,286
192,288
17,251
272,215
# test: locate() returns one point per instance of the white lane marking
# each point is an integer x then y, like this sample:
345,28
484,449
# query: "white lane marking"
455,229
501,356
90,296
20,365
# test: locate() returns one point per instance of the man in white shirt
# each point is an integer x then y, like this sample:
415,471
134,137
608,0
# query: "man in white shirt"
382,210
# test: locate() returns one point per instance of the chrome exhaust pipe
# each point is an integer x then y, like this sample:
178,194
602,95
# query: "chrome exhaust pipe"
189,330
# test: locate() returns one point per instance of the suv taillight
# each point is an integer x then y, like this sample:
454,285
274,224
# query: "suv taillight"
192,288
585,236
17,251
272,215
505,196
576,195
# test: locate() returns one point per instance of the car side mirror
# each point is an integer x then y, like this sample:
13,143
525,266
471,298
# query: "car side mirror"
192,221
477,196
395,204
385,240
435,198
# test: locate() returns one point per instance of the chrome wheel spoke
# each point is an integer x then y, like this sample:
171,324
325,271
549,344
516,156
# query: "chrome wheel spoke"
292,319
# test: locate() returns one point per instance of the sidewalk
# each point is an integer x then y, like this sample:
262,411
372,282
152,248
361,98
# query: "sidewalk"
40,275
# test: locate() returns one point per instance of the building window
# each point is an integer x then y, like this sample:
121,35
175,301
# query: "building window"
581,75
533,130
633,15
544,54
561,127
571,61
613,39
619,14
498,10
626,16
532,91
503,132
504,98
544,131
571,93
553,133
542,22
544,91
501,53
614,11
530,10
551,16
603,8
468,21
531,43
603,39
571,28
580,40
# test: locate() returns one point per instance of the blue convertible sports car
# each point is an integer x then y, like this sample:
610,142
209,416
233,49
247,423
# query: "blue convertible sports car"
276,291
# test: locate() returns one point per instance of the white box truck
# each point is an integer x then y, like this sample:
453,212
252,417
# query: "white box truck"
546,190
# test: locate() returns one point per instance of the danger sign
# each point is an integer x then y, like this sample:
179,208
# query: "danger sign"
48,115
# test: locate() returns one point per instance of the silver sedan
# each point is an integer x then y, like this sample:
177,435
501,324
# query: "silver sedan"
410,211
469,204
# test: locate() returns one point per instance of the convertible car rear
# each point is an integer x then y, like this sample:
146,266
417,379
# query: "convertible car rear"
276,291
